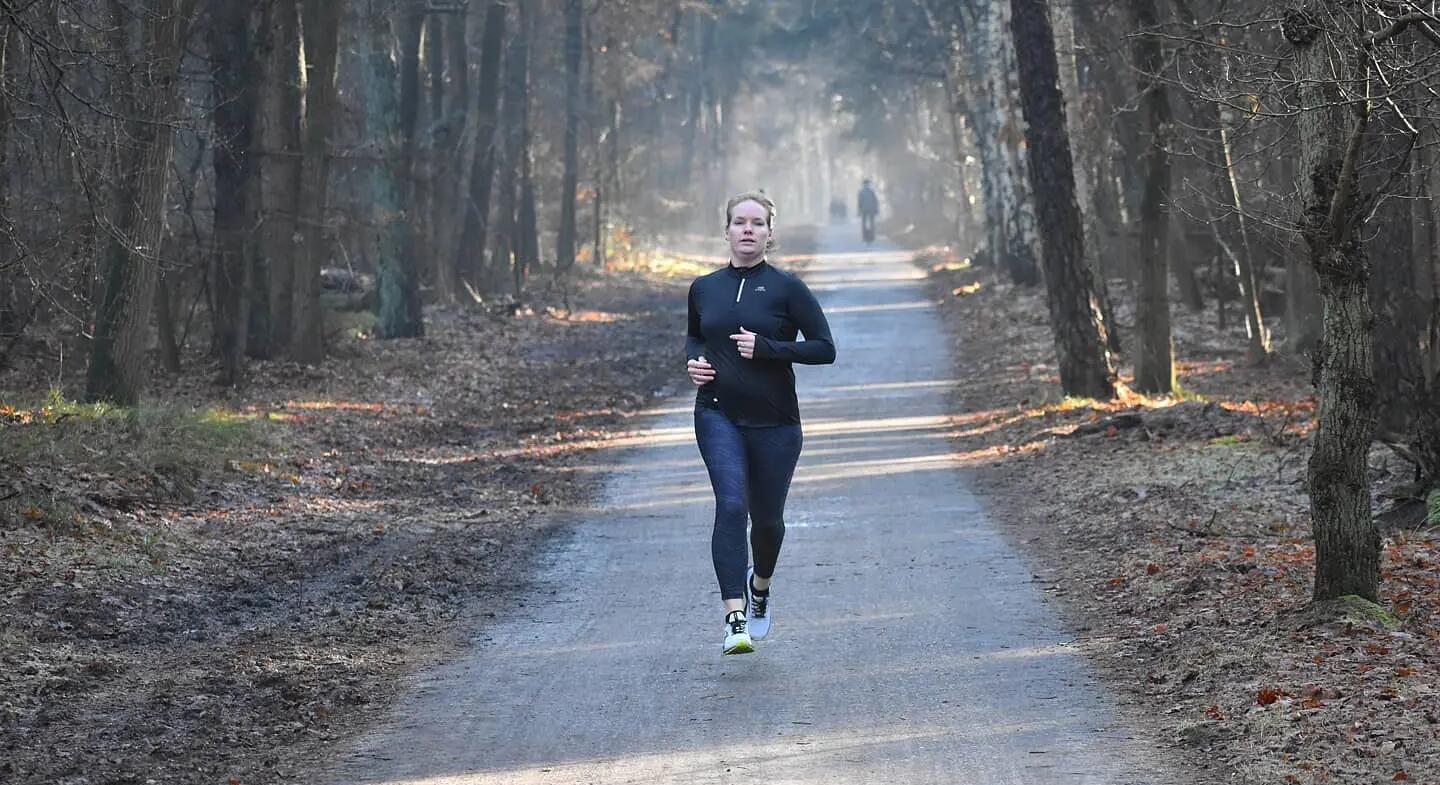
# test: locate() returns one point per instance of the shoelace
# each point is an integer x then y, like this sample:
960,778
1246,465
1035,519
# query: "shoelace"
757,604
737,624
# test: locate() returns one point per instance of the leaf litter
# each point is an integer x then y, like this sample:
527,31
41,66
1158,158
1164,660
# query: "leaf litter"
1173,534
231,622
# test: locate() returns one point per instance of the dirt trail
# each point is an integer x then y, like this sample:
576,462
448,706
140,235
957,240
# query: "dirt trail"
911,644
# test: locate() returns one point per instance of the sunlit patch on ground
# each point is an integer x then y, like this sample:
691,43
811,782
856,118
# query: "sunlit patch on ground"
587,315
666,265
278,553
1175,531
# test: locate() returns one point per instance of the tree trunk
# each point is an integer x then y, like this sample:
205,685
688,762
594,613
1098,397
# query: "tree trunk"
391,132
421,182
958,88
9,277
1425,441
1231,233
1062,16
987,61
165,324
1074,310
508,254
1022,242
1303,323
280,180
1063,22
574,48
1332,133
991,193
234,96
1430,168
117,369
607,166
527,238
322,34
470,252
1155,359
435,41
1401,318
1425,222
1184,268
1234,239
456,144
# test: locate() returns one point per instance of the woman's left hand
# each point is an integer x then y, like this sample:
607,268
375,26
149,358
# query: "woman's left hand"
745,342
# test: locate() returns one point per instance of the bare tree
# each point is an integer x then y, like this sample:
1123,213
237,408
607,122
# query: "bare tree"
1074,309
470,251
1227,218
235,107
321,27
392,108
1334,73
1155,358
117,369
279,130
574,49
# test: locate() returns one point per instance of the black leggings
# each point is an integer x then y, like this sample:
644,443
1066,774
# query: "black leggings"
750,471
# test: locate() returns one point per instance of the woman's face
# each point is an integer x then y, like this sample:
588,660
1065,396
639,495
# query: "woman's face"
748,231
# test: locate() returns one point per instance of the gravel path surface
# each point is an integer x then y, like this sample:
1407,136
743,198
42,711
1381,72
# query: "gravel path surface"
910,644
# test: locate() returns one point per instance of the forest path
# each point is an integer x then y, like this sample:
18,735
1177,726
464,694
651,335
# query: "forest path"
910,644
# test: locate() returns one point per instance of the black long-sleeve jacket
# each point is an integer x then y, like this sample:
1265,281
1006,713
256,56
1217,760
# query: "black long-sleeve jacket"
776,306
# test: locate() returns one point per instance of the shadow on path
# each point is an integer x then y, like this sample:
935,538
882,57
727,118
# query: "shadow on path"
910,645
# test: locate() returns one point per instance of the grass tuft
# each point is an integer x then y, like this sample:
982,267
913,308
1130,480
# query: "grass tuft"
69,457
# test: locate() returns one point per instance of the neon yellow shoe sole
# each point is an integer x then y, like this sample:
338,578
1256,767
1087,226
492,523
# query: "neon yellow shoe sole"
739,644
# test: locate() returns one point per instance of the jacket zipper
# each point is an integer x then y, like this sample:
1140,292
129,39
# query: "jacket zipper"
740,291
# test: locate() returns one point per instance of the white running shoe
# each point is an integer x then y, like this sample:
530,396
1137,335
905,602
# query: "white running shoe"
737,637
758,608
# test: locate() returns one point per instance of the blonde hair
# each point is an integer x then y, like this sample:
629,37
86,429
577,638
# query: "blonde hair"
760,199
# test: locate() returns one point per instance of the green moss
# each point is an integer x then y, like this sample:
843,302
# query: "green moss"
1076,402
151,451
1432,507
1186,394
1353,607
356,324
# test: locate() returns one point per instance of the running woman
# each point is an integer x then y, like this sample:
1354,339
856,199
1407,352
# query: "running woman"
741,344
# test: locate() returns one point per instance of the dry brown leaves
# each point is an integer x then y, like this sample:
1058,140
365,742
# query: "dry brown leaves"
232,630
1174,536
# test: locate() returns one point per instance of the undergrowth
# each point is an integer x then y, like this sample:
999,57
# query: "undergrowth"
62,457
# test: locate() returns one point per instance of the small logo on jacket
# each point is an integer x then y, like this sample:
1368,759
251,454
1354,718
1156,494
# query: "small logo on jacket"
760,288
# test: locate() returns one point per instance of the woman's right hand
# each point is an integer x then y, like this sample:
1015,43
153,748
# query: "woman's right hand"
700,371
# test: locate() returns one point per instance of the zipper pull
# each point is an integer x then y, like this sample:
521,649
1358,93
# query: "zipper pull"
740,291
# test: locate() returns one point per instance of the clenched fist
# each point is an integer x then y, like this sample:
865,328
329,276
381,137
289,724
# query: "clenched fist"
701,372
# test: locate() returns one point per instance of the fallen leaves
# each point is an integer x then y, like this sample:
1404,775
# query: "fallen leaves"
252,618
1218,546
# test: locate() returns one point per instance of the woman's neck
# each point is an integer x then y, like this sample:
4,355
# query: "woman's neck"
742,264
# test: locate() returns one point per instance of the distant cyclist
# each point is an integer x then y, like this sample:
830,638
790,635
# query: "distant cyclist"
868,205
744,320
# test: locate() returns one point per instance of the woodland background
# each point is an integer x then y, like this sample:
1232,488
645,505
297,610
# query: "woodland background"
230,229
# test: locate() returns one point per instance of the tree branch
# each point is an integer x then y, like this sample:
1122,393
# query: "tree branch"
1344,188
1397,27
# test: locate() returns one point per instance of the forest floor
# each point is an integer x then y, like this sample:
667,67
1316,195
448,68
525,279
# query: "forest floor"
219,588
1173,533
